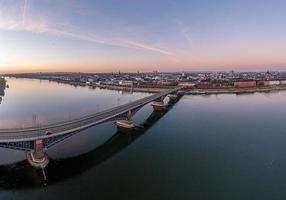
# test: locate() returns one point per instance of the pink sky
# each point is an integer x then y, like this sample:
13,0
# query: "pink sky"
141,36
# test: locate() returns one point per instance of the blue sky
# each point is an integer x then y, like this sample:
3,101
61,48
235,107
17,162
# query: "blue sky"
132,35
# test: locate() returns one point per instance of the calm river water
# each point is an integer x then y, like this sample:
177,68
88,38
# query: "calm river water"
203,147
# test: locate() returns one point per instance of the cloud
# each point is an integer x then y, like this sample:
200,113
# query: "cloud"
75,33
184,30
37,23
25,6
139,45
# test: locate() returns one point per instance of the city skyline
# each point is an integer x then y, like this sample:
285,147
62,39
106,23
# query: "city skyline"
130,36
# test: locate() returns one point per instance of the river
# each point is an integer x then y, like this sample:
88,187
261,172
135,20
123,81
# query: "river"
203,147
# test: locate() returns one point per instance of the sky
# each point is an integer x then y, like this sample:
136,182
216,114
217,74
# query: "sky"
142,35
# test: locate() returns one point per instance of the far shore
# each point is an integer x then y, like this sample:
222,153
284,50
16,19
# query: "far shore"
132,89
192,91
233,90
204,91
201,91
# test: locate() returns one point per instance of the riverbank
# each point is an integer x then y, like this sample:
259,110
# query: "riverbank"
116,87
109,87
193,91
236,90
201,91
131,89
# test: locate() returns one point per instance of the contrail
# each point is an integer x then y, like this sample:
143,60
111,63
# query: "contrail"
24,12
120,42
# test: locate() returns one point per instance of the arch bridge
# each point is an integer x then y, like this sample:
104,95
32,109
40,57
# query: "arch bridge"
35,140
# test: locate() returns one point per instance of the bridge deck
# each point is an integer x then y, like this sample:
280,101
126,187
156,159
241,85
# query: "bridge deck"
33,133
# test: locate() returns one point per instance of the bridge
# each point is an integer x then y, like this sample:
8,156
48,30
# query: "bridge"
35,140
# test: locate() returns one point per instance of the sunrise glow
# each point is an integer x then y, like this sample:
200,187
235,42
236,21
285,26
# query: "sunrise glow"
105,36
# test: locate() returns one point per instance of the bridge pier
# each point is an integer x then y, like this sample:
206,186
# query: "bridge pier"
173,96
180,92
38,158
125,124
158,104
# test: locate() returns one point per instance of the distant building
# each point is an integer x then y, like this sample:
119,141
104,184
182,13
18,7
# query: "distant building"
204,84
245,84
139,79
283,82
183,76
90,80
186,84
271,83
157,78
126,83
268,75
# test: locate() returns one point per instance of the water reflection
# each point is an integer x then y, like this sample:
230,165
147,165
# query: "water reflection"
21,175
52,102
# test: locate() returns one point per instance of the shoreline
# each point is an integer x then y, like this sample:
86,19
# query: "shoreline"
190,91
210,91
130,89
109,87
203,91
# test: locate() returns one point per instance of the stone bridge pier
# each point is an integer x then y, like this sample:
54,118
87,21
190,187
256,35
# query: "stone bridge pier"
37,157
159,104
126,124
173,96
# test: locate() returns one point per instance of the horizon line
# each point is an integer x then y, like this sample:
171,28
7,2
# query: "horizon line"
141,72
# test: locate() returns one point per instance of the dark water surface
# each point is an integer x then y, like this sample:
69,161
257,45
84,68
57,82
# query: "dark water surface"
203,147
